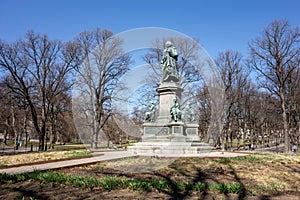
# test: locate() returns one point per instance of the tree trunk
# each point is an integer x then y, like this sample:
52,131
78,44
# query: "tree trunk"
25,127
36,124
13,126
244,134
223,140
231,139
52,130
93,123
5,131
298,138
43,140
251,140
262,136
52,135
285,124
42,137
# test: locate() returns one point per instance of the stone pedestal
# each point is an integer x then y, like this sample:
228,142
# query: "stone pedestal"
166,137
159,132
191,131
167,92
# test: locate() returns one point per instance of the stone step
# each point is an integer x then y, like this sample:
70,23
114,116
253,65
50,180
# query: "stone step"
169,148
174,143
196,143
170,151
170,138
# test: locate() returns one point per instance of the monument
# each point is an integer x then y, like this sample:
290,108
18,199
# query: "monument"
166,131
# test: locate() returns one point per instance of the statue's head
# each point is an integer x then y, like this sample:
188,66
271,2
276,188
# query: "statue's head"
168,44
174,100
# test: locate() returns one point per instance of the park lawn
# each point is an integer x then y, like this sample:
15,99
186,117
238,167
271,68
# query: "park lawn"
257,176
266,174
20,159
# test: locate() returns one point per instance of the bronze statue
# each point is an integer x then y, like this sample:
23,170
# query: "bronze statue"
169,63
175,111
150,115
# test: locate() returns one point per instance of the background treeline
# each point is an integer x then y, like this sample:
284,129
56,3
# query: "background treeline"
262,88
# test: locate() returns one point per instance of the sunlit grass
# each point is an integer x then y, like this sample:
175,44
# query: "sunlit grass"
109,183
9,160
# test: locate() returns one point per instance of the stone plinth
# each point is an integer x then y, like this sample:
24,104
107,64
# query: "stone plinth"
167,92
191,131
159,132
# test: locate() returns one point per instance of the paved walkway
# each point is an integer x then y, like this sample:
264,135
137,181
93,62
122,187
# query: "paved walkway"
102,156
106,156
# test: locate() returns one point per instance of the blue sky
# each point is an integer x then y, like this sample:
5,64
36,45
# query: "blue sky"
218,24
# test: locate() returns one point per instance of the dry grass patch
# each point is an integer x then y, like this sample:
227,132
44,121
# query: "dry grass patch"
10,160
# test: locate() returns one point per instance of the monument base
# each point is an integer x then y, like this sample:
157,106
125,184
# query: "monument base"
166,137
174,139
169,149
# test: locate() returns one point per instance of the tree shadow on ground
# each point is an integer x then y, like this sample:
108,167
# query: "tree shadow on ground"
26,193
200,177
192,171
243,192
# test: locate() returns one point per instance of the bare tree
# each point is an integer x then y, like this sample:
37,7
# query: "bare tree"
234,76
59,108
5,116
37,69
103,63
275,57
204,112
293,108
14,116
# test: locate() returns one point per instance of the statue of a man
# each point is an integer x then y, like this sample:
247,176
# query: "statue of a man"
175,111
169,63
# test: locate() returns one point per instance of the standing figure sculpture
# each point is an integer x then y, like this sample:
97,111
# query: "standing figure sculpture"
175,111
169,63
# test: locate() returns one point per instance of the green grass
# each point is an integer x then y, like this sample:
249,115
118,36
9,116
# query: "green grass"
2,164
34,144
57,147
225,188
68,147
74,154
109,183
23,198
10,143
